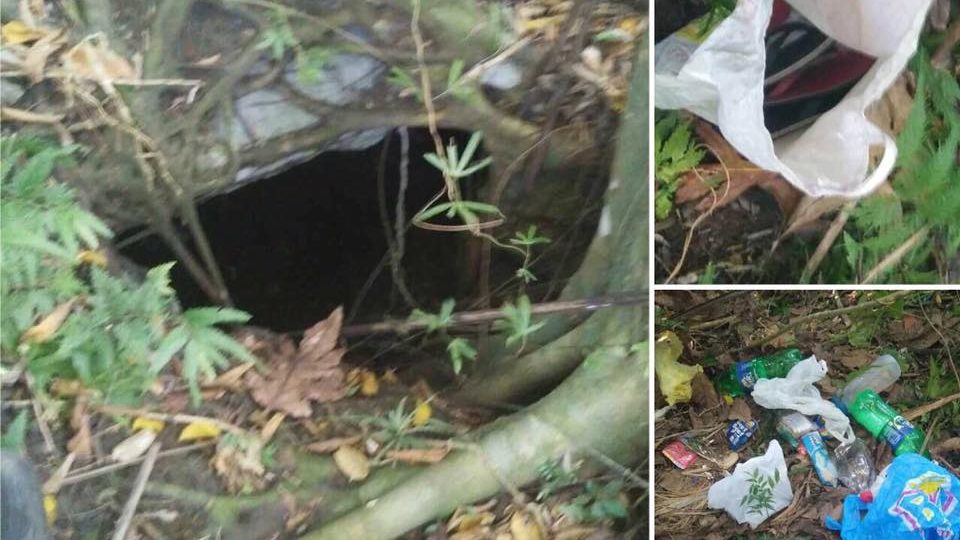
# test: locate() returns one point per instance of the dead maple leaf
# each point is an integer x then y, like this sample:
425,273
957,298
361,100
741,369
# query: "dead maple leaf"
743,176
298,376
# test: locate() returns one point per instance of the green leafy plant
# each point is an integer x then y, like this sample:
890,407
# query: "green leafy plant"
518,321
675,152
396,430
598,502
455,167
526,241
16,435
759,497
921,212
64,317
403,79
458,349
279,37
555,475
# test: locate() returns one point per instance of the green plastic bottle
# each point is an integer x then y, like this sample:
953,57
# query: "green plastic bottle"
741,377
885,423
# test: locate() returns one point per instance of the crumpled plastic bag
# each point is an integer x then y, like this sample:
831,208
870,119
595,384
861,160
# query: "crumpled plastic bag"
774,493
722,81
797,393
675,378
916,499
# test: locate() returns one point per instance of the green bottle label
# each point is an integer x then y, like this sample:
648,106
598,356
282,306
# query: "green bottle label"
896,431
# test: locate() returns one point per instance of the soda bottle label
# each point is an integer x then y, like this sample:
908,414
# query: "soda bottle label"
745,375
739,432
896,430
820,459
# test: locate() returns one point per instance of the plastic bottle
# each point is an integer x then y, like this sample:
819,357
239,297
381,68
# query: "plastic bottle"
798,427
741,377
884,422
854,465
882,373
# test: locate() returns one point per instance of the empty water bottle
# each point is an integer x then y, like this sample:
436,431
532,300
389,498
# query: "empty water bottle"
854,465
797,426
882,373
885,423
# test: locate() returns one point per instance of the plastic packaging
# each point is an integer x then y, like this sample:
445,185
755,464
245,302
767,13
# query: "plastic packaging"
722,81
798,429
739,433
854,465
917,499
884,422
679,454
733,493
797,393
882,373
742,376
673,376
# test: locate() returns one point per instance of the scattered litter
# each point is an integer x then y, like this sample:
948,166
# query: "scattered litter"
854,465
679,454
674,377
757,489
739,433
884,422
797,393
882,373
742,376
913,498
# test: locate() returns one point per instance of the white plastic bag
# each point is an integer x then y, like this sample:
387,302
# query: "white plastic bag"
797,393
731,493
722,81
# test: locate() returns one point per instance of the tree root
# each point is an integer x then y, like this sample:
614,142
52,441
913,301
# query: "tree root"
611,385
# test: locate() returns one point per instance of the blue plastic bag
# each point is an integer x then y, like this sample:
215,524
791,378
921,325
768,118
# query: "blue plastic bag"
918,499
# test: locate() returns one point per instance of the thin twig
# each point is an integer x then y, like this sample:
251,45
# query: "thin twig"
48,443
930,407
131,507
398,247
78,477
490,315
824,315
175,418
941,58
827,242
896,255
702,217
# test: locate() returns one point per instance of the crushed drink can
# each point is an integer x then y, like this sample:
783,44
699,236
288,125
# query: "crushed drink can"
679,454
739,433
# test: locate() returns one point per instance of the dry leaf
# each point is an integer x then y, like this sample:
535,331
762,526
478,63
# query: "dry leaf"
419,455
369,385
854,358
740,410
524,526
48,326
331,445
65,388
16,32
464,520
50,508
352,463
232,378
93,59
81,444
422,414
199,430
92,257
142,422
390,377
297,377
35,61
133,446
271,427
238,464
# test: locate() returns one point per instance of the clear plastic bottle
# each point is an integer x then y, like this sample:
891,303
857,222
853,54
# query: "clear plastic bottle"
854,465
882,373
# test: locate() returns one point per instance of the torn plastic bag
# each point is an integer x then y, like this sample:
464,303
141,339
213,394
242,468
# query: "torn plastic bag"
797,393
917,499
757,489
723,82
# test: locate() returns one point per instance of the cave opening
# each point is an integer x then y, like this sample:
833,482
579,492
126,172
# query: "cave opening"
294,246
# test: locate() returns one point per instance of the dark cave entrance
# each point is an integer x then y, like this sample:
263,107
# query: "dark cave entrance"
294,246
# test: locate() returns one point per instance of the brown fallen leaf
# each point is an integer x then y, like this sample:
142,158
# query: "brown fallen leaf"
332,445
237,462
16,32
35,61
81,444
353,463
93,59
743,176
740,410
296,377
48,326
419,455
853,358
271,427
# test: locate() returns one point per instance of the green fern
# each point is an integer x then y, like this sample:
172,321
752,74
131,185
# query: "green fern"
120,333
676,152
